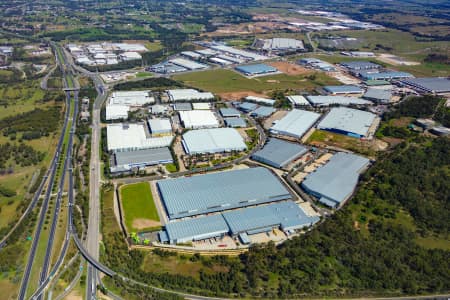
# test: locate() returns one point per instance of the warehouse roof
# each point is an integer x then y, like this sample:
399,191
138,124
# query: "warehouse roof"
295,123
213,141
343,89
229,112
196,228
188,196
126,160
115,112
256,69
247,106
124,137
386,75
159,125
430,84
131,98
360,65
198,119
235,122
260,100
279,44
201,105
336,180
342,100
298,100
188,94
348,120
188,64
182,106
376,94
238,52
263,112
278,153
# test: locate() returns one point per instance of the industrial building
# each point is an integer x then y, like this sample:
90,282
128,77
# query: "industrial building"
278,153
355,66
260,100
188,64
350,122
378,95
334,182
385,75
201,106
247,106
127,137
195,119
116,112
125,161
158,109
213,192
188,95
432,85
182,106
298,100
131,98
256,69
230,113
160,127
333,100
247,55
262,112
278,45
295,124
285,215
235,122
343,89
216,140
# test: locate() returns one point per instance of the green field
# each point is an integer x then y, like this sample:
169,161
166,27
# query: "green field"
138,207
225,81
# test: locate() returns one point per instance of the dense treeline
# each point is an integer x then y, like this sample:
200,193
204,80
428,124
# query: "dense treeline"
417,107
148,84
22,155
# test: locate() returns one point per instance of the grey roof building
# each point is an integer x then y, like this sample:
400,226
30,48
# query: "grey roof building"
126,160
343,89
182,106
159,126
278,153
214,140
378,95
262,112
347,121
385,75
235,122
338,100
433,85
230,112
295,124
335,182
189,196
360,65
247,106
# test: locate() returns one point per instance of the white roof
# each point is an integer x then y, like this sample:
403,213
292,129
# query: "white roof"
188,94
189,64
191,54
213,140
270,102
159,125
129,47
238,52
298,100
115,112
201,106
131,98
328,100
206,52
123,137
296,123
130,55
280,44
220,61
198,119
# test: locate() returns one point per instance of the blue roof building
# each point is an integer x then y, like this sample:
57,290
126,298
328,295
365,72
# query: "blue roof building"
360,65
278,153
334,182
247,106
235,122
386,75
230,112
256,69
262,112
190,196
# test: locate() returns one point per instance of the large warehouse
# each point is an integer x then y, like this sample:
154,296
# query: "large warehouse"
160,126
286,215
278,153
126,160
256,69
348,121
354,66
195,119
126,137
202,194
216,140
116,112
432,85
188,95
335,182
131,98
279,45
343,89
385,75
341,100
295,124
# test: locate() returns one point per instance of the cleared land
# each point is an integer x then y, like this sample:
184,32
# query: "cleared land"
139,208
289,68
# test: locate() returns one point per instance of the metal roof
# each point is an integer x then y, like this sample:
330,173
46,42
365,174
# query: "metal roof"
261,100
383,95
386,75
229,112
189,196
336,180
131,98
297,100
295,123
279,44
279,153
430,84
213,141
198,119
256,69
115,112
247,106
263,111
343,89
145,157
196,229
360,65
347,120
180,106
342,100
235,122
188,95
188,64
158,125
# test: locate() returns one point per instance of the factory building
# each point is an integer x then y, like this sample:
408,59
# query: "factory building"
260,100
188,95
343,89
188,64
247,106
279,45
334,182
385,75
295,124
378,95
201,106
256,69
159,127
431,85
127,137
278,153
195,119
333,100
298,100
182,106
229,113
127,160
213,192
262,112
235,122
215,140
116,112
131,98
350,122
356,66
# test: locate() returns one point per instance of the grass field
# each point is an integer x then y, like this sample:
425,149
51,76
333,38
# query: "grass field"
223,81
139,208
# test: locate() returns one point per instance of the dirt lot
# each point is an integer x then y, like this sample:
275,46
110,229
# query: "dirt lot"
145,223
290,69
239,95
250,28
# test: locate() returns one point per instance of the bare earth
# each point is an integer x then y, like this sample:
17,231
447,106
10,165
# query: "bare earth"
239,95
290,69
145,223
